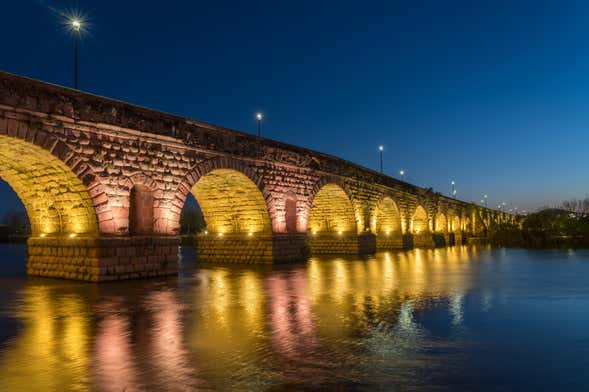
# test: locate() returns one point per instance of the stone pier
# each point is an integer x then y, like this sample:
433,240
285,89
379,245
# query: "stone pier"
389,241
251,249
345,243
423,240
99,259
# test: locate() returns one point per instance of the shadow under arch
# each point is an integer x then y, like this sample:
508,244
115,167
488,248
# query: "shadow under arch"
55,198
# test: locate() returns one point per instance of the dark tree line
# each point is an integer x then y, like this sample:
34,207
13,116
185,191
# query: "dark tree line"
191,220
16,221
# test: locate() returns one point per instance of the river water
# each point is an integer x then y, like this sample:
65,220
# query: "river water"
460,318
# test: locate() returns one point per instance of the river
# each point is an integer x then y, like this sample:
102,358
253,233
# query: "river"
460,318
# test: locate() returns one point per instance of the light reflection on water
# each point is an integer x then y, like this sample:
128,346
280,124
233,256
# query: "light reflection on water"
444,319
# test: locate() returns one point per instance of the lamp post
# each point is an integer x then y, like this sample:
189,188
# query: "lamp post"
485,199
76,26
453,183
259,116
402,174
380,149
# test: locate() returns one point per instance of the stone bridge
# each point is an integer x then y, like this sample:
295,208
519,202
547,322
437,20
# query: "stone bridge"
104,183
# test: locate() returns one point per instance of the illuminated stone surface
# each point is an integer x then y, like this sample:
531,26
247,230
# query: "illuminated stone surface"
386,224
54,197
91,170
98,259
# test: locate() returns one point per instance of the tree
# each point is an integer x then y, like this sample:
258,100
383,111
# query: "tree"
17,222
577,206
191,220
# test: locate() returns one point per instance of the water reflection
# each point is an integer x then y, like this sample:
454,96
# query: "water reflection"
55,334
115,368
332,322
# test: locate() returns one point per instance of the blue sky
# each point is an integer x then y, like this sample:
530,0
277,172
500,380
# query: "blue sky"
491,94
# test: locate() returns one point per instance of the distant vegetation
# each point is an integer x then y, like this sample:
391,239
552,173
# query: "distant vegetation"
550,228
14,227
191,221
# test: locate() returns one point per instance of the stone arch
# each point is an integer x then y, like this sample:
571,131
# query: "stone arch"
455,224
419,220
386,217
237,174
467,224
61,193
231,203
441,222
331,210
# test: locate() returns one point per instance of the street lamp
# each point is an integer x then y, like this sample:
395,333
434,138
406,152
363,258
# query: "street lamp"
402,173
485,197
259,116
380,149
76,25
453,189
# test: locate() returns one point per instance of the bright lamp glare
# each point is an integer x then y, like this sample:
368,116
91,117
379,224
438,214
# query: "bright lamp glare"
76,24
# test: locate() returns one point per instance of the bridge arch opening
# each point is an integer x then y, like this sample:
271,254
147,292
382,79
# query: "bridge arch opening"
55,199
231,203
332,211
191,217
441,223
419,221
387,219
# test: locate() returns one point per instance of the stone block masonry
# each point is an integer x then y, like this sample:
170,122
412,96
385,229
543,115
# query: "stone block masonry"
345,243
102,259
389,242
251,249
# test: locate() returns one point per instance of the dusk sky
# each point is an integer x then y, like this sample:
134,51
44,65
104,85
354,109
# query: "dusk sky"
493,95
